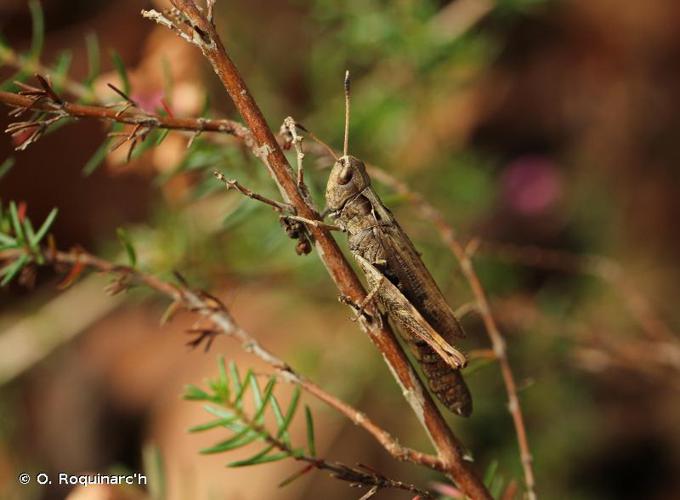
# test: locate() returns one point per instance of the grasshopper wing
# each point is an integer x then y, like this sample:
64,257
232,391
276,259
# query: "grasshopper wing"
408,271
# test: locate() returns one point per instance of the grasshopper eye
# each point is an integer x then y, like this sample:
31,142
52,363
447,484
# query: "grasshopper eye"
345,175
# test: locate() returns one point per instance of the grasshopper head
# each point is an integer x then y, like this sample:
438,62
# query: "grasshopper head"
348,178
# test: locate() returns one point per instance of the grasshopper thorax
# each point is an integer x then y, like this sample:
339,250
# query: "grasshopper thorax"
348,178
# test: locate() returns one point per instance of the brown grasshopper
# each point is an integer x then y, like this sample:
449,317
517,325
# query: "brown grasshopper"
397,277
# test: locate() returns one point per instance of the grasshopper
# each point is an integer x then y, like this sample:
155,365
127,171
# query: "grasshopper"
397,278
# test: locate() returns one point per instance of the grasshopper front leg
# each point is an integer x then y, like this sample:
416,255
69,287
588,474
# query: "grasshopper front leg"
316,223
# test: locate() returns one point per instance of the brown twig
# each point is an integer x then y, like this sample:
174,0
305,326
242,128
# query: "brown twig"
190,23
233,184
215,311
604,268
131,117
598,349
657,360
289,129
357,476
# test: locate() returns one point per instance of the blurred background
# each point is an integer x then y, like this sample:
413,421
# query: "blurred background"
546,128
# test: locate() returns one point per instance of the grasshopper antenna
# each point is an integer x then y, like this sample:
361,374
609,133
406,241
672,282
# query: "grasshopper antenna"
345,147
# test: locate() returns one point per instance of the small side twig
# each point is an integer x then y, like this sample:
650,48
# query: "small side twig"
357,476
289,129
66,109
604,268
233,184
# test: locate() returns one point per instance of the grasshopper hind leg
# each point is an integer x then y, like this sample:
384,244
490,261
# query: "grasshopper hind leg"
387,272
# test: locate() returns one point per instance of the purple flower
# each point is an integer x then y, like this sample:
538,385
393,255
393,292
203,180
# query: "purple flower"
531,185
149,101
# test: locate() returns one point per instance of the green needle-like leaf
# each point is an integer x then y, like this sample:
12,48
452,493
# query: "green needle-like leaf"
193,393
28,231
261,401
161,136
42,232
7,242
38,25
490,473
6,166
218,411
122,71
280,422
257,394
155,469
235,426
260,458
252,460
311,441
235,376
224,378
61,68
168,82
496,486
222,422
13,269
238,401
127,244
97,158
93,58
292,407
30,238
246,436
263,460
16,223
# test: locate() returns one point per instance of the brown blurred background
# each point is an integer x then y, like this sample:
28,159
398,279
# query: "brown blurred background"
530,123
